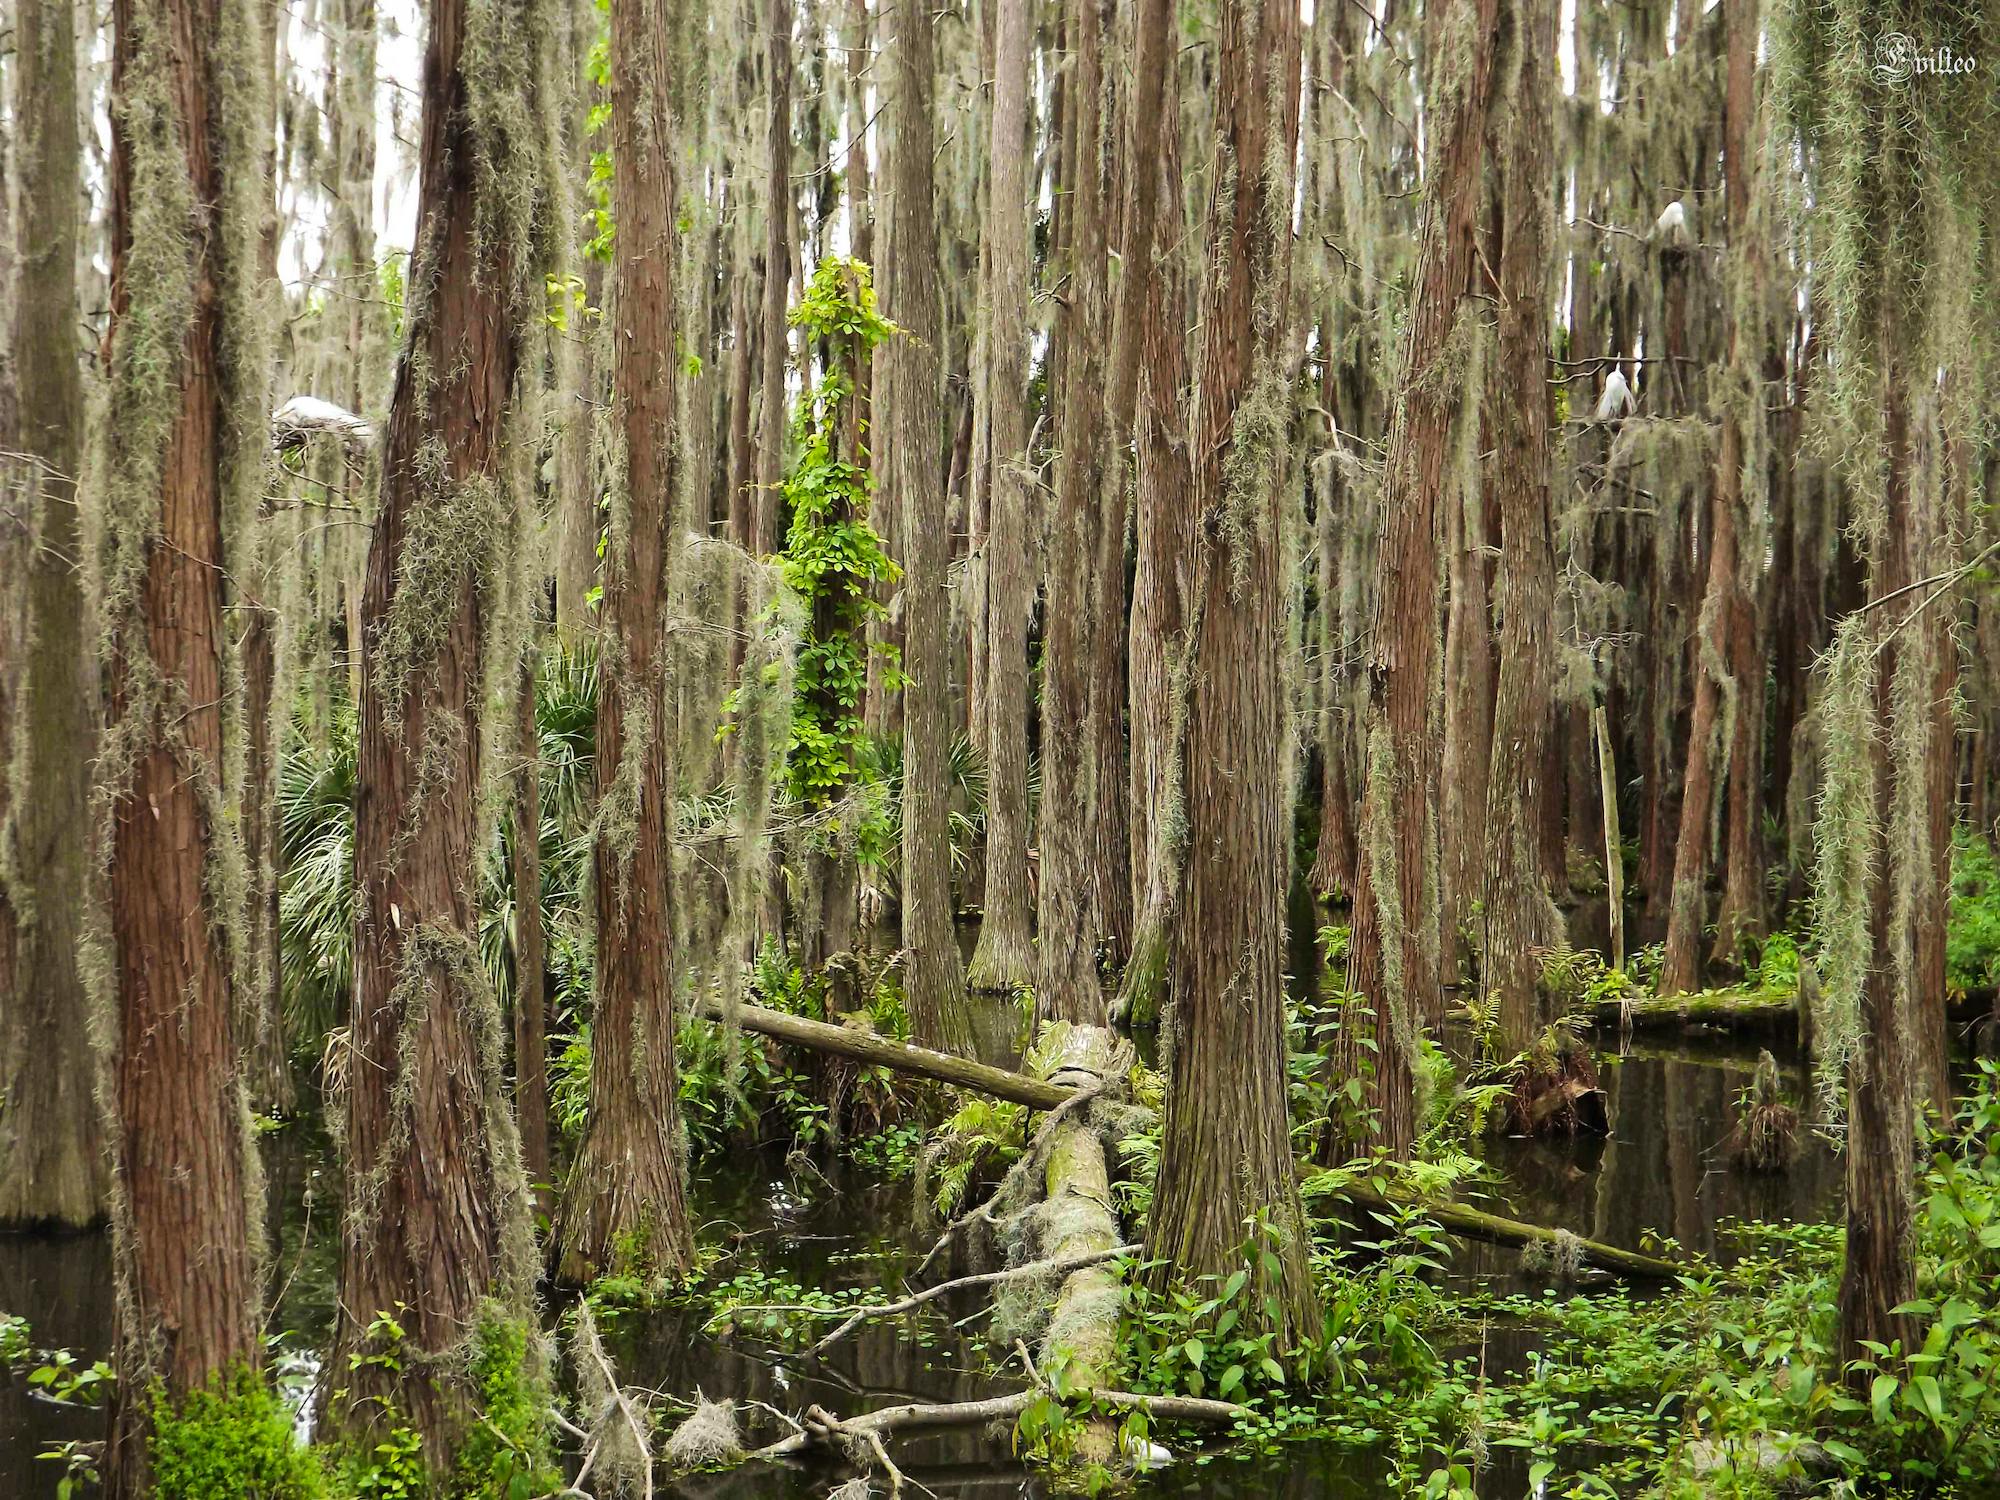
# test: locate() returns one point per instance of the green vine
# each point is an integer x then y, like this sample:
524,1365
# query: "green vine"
833,557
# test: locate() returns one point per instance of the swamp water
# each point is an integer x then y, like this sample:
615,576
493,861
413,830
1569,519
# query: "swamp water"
1660,1173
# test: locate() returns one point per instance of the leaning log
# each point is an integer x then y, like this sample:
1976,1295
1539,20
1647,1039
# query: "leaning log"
869,1047
920,1415
1477,1224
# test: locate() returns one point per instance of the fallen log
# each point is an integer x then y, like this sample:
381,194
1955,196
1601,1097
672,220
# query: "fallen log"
923,1415
915,1300
1477,1224
904,1057
1080,1345
1001,1083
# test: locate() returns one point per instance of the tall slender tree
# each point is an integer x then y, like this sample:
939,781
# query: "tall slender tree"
1393,960
626,1203
1005,956
1067,985
935,978
1520,917
436,1230
1225,1152
185,448
51,1168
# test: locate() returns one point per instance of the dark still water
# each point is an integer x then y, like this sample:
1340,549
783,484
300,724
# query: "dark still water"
1661,1173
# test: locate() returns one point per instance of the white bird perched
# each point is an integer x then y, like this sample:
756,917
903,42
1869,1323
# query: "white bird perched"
302,416
1671,228
1617,398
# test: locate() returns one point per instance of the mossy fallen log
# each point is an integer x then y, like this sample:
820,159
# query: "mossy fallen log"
869,1047
1477,1224
1760,1007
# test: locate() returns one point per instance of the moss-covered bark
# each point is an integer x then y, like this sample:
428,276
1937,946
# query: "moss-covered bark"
185,442
625,1204
51,1167
436,1229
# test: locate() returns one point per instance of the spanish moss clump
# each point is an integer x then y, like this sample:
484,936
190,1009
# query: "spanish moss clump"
620,1432
1846,840
706,1438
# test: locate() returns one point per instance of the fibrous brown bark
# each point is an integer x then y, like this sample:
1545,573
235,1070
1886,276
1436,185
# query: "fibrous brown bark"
1520,918
185,362
625,1205
1067,925
1225,1154
437,1211
51,1168
1724,604
1393,957
778,208
934,980
1005,957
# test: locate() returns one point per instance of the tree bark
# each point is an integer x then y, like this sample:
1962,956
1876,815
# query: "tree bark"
437,1210
1163,524
1393,957
1225,1152
1724,605
183,456
777,277
625,1205
52,1170
934,981
1521,919
1068,928
1005,956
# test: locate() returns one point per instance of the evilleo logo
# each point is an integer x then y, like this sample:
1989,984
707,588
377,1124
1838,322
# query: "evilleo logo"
1900,57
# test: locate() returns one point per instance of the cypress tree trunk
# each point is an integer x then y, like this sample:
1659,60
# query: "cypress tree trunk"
1005,956
1393,957
51,1167
1164,525
1067,986
437,1210
1521,919
777,277
1225,1154
934,980
625,1206
185,449
1468,710
1724,606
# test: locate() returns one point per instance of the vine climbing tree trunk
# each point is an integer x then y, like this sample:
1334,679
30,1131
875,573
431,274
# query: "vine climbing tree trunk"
1225,1152
934,980
184,450
51,1167
437,1212
625,1205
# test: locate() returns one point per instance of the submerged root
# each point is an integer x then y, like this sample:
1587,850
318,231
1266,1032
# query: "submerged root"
1555,1089
1765,1137
707,1438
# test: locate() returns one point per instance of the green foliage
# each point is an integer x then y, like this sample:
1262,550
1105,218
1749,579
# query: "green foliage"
1203,1340
507,1455
233,1438
833,559
1972,939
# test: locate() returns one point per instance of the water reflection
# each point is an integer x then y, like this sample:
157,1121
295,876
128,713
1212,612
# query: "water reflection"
1661,1170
